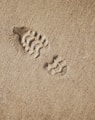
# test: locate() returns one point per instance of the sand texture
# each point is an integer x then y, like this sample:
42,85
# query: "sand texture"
47,71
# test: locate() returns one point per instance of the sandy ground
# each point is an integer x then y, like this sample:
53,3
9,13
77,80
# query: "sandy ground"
27,91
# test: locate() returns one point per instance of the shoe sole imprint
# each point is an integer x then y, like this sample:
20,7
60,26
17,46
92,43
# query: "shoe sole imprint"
58,66
31,40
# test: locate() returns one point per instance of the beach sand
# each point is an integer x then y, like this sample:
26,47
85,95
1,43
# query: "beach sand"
27,90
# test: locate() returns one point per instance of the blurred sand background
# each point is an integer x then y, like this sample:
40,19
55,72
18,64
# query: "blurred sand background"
27,91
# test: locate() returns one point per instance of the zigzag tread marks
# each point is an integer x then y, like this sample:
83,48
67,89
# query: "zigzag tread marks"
54,63
37,51
33,46
58,66
26,39
59,69
31,40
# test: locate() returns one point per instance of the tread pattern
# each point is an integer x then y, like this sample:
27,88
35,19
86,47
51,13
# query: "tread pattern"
57,66
32,41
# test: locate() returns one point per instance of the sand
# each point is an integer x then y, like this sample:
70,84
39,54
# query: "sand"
29,91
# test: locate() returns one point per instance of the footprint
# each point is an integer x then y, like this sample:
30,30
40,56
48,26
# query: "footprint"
58,66
31,40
